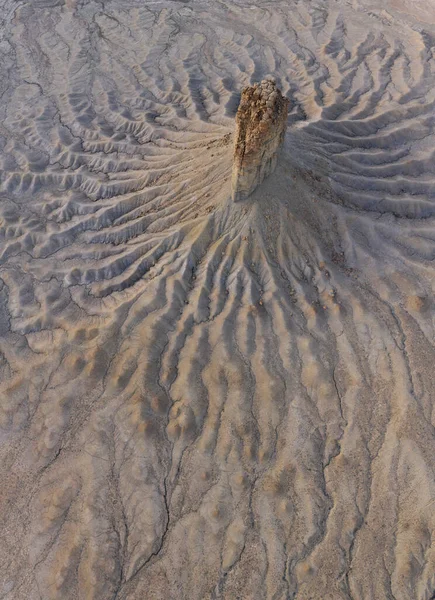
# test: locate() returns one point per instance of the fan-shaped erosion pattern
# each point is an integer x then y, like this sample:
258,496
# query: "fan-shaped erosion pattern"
201,398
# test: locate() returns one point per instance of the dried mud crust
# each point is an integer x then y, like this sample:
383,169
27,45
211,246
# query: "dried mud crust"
202,399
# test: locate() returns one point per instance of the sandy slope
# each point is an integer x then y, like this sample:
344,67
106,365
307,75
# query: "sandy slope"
202,399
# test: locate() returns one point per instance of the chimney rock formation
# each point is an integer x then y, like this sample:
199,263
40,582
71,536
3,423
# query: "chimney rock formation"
260,129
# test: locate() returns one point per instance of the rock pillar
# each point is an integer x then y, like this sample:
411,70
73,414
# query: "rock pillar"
260,129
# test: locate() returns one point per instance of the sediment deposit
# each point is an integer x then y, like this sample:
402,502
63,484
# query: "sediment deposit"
200,398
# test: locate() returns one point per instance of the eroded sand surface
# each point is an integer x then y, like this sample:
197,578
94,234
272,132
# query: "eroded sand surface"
203,399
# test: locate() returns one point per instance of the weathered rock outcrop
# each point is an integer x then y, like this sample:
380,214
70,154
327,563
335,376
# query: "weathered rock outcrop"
260,130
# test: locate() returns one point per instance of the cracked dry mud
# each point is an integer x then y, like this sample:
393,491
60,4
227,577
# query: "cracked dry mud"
199,398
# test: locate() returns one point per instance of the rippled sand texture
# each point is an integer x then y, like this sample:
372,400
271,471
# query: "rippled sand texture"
203,399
